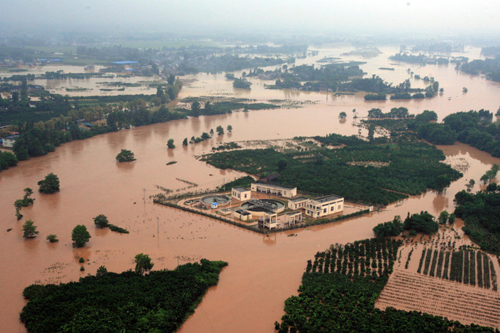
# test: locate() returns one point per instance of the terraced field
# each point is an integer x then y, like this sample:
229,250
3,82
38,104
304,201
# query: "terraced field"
456,301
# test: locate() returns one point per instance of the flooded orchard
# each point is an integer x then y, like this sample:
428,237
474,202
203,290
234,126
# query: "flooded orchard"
263,270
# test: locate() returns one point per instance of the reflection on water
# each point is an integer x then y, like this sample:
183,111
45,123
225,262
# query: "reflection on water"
263,270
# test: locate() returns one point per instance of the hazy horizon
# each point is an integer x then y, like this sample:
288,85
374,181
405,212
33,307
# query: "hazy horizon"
280,16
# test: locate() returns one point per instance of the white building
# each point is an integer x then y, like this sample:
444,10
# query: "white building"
241,194
10,140
242,215
269,220
297,203
326,205
292,218
283,191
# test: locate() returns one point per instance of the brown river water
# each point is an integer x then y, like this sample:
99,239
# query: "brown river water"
263,270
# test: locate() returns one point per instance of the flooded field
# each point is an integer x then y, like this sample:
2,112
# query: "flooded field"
263,270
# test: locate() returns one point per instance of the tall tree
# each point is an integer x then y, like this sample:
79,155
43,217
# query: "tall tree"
80,236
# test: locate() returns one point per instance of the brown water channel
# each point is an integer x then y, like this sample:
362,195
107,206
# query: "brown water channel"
263,271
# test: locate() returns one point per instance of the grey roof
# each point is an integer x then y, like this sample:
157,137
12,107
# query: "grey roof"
295,212
240,189
327,198
298,199
12,137
275,185
242,212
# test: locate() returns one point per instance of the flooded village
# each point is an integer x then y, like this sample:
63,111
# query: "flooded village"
265,231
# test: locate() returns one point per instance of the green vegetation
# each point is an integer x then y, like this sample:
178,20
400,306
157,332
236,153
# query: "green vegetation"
143,264
170,144
240,182
388,229
490,67
29,229
52,238
128,302
49,185
227,146
80,236
242,84
7,160
377,172
125,156
339,290
481,214
401,112
101,221
423,222
489,175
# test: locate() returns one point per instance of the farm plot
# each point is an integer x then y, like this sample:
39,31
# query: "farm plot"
416,292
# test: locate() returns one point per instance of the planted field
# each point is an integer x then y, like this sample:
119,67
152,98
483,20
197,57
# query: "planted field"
470,267
416,292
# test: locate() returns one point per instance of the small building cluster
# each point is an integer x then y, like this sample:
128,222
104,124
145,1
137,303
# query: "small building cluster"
267,210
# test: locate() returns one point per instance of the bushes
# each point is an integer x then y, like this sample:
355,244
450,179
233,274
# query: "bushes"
125,156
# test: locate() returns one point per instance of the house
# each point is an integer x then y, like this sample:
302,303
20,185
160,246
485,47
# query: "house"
4,125
240,193
326,205
284,191
292,218
297,203
10,140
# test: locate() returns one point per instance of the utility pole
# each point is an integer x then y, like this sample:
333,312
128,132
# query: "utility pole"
157,226
144,191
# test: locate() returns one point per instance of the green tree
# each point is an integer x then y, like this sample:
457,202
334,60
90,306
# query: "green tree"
52,238
171,79
443,217
80,236
29,229
143,263
451,219
101,221
195,109
125,156
220,130
185,142
159,92
170,144
229,128
18,204
371,132
342,115
101,271
282,165
49,185
26,199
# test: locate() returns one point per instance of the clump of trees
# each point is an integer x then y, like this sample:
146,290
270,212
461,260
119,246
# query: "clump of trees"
490,174
52,238
125,156
388,229
49,185
127,302
423,222
101,221
7,160
170,144
481,215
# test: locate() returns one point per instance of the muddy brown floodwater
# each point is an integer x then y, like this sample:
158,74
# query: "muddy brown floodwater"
263,270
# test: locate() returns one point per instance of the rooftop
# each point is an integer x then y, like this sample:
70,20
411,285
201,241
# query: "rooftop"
125,62
327,198
298,199
242,212
240,189
12,137
295,212
275,185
